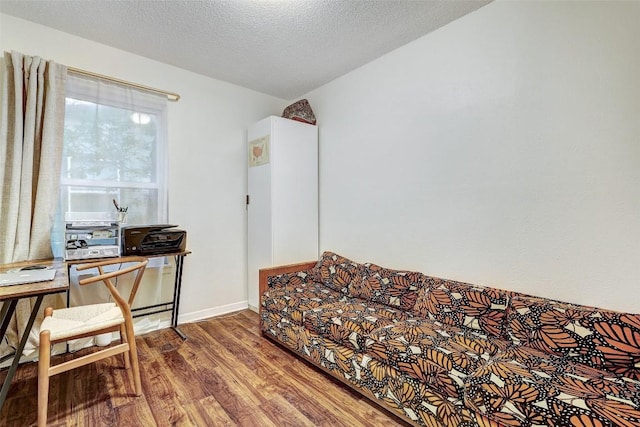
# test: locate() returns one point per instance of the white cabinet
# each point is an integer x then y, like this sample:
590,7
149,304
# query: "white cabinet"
282,201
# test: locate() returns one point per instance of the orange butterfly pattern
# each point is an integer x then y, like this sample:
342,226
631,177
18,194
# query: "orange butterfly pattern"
529,386
294,300
603,339
395,288
337,272
444,353
464,305
350,322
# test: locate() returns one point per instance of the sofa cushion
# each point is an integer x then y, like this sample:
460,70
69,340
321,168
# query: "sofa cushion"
440,355
395,288
282,329
403,395
294,278
349,322
293,300
603,339
524,386
463,305
338,272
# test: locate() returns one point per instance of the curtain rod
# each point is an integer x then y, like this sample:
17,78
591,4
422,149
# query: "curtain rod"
170,95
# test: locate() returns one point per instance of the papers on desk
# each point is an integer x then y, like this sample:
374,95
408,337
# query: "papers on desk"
26,276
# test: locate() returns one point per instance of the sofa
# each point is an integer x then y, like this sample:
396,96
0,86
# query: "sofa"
438,352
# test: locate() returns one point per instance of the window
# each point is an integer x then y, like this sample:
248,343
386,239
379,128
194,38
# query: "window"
114,149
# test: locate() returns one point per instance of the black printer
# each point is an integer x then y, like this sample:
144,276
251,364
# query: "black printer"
153,239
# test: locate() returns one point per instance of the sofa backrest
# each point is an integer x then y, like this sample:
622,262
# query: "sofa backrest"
463,305
604,339
337,272
394,288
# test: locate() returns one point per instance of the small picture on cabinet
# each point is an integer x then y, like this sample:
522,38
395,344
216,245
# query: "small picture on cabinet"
259,151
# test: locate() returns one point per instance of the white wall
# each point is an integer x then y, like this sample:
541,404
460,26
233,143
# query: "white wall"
207,137
502,149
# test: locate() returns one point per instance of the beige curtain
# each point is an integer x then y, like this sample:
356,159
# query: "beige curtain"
31,135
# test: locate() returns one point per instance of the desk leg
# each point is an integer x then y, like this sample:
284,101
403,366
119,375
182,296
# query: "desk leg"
176,296
8,308
18,355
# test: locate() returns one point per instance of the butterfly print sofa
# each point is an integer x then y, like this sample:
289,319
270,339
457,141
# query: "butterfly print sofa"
442,353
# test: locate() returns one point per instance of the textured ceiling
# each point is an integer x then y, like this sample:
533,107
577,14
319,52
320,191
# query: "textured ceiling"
278,47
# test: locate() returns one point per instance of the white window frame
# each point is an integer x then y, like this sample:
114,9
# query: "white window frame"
84,89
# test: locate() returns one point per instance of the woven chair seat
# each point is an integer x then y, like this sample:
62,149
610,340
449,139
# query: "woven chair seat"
83,321
73,321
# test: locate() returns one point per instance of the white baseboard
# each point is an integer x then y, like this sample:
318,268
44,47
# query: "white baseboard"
212,312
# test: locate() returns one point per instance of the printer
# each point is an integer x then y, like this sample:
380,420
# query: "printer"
153,239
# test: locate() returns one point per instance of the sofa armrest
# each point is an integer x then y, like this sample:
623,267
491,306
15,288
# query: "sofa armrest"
265,273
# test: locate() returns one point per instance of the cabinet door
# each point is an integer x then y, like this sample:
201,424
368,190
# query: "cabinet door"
259,243
282,214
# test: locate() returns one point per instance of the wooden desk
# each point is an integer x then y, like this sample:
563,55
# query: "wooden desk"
171,306
10,295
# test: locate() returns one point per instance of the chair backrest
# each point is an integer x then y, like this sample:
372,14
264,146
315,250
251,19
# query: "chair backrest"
137,265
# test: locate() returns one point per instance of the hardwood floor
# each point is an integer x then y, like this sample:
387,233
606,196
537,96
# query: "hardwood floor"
224,374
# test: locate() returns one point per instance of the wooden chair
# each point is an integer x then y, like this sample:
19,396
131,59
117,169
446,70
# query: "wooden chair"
90,320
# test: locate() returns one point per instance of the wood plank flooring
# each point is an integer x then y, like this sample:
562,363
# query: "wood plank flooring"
224,374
